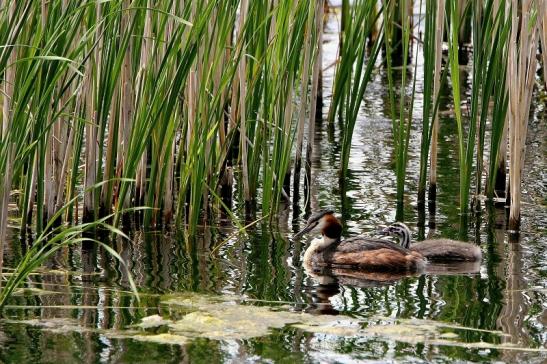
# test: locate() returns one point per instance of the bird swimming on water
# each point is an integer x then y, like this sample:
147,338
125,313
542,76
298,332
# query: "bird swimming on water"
360,252
435,250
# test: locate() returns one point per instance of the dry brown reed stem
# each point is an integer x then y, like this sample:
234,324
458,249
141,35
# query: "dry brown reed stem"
7,115
127,109
67,145
33,177
543,33
61,149
209,143
114,137
63,137
273,24
146,61
439,25
111,142
90,144
234,101
242,69
304,105
91,132
522,69
68,155
501,174
49,170
191,92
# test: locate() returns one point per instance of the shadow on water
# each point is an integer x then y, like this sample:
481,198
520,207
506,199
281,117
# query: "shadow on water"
79,305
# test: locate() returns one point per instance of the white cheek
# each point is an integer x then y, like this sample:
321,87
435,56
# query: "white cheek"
319,243
319,226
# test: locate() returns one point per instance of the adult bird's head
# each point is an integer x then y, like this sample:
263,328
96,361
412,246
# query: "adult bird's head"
322,221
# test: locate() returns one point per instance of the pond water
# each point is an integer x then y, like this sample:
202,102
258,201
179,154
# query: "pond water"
247,298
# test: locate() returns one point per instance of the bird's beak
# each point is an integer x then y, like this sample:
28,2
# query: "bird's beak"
307,229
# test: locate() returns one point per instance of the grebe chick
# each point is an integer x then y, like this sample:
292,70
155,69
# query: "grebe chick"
355,253
437,250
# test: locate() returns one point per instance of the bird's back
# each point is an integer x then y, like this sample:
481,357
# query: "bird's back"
445,250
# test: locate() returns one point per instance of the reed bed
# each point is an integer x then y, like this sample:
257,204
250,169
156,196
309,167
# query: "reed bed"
485,127
178,105
158,101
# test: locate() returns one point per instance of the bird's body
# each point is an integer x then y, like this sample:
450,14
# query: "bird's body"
360,253
436,250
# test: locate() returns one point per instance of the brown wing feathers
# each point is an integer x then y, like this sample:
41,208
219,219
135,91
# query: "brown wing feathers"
381,259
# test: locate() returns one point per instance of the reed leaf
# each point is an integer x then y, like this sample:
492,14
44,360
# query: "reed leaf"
354,70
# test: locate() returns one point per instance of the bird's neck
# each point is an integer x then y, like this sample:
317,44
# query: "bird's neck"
318,245
404,239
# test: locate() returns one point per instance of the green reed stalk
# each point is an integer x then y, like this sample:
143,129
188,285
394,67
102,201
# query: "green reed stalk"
481,19
453,36
256,37
304,102
317,69
401,124
489,67
498,137
489,39
495,30
354,71
432,34
434,134
282,80
344,66
204,152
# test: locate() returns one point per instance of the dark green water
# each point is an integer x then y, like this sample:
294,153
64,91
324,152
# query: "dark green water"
80,306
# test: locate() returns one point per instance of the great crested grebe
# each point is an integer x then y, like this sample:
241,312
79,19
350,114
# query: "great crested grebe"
436,250
355,253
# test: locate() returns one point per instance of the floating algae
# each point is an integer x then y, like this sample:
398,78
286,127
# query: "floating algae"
166,338
153,321
190,315
219,319
416,331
